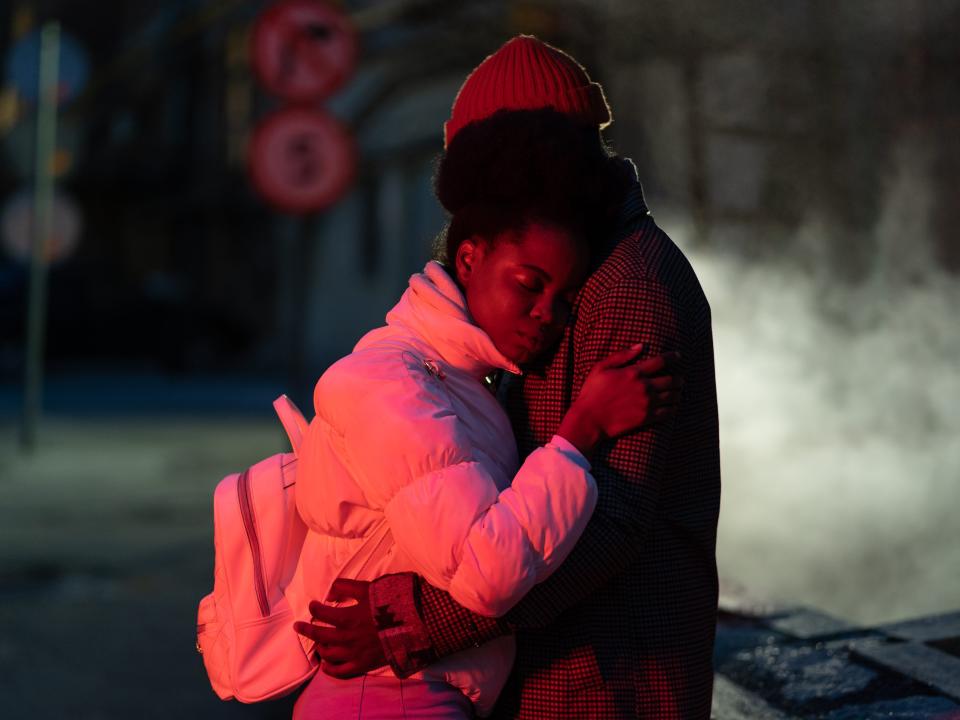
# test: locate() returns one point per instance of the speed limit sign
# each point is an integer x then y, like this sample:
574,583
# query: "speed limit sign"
301,160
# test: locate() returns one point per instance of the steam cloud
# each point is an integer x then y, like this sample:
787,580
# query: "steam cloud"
840,416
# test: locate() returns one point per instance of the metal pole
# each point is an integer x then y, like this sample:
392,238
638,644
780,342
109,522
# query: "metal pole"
301,272
42,224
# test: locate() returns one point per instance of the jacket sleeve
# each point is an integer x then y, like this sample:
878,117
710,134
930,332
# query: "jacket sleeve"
628,472
412,458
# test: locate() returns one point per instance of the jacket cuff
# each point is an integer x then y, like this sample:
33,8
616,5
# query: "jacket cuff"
569,450
403,635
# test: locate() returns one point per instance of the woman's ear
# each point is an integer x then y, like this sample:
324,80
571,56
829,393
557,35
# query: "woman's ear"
469,254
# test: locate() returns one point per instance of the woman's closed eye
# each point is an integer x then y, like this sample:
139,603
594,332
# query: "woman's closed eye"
532,285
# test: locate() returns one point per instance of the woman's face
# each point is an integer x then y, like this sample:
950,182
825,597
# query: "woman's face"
520,287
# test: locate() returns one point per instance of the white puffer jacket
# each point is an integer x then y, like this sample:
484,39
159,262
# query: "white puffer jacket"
411,465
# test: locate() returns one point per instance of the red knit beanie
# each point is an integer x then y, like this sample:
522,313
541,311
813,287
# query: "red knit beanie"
527,74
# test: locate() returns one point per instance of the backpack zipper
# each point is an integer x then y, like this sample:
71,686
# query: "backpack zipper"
249,524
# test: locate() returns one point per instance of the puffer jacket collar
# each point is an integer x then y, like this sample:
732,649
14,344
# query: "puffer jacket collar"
434,308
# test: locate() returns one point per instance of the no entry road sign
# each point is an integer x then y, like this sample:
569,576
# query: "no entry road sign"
301,160
303,50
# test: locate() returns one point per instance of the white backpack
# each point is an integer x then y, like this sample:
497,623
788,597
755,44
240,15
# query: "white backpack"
245,626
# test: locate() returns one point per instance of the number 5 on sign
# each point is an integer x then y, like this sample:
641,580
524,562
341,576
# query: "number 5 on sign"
301,160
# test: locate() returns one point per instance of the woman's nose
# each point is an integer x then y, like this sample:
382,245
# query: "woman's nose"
548,311
542,312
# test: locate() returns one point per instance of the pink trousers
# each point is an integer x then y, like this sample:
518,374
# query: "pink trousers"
380,697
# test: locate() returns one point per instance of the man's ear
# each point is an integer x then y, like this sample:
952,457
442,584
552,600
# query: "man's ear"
469,254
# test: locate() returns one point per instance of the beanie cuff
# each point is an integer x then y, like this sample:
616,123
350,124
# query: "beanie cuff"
527,74
586,104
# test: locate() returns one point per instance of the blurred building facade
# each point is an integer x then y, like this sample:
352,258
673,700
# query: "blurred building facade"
746,119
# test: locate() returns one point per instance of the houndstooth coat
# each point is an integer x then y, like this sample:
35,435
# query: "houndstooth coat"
625,628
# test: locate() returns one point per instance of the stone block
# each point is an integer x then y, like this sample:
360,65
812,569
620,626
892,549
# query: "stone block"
925,629
732,702
807,624
915,660
919,707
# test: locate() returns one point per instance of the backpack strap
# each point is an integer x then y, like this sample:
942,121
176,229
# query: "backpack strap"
292,420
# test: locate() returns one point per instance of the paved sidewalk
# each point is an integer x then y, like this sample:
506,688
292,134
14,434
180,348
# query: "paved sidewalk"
105,549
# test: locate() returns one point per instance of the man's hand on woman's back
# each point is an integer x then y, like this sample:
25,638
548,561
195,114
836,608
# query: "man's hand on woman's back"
351,646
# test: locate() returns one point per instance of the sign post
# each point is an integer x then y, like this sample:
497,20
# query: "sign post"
301,159
42,223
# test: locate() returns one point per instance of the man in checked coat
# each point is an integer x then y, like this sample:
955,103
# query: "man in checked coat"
625,627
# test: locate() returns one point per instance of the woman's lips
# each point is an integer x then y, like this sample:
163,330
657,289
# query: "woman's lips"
532,342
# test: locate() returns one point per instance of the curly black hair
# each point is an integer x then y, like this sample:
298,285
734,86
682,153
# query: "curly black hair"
523,166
